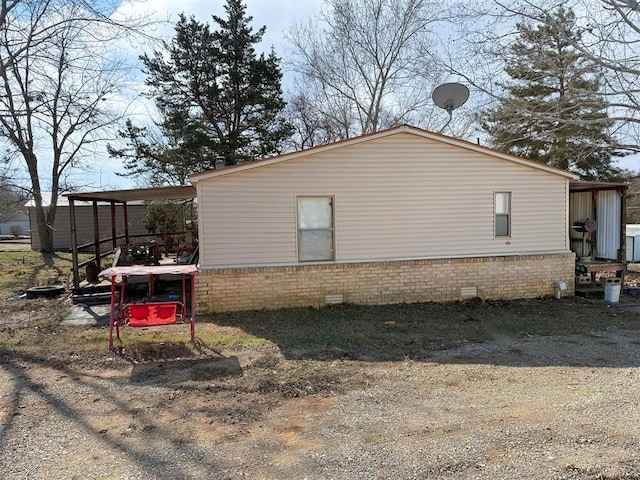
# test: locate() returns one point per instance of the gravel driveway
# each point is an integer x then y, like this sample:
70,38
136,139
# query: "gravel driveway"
561,407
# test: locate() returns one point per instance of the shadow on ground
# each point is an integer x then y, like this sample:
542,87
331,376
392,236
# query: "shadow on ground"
182,370
538,332
20,383
176,362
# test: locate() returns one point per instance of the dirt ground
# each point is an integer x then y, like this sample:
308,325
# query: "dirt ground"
514,406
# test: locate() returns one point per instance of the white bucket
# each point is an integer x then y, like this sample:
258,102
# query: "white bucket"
612,293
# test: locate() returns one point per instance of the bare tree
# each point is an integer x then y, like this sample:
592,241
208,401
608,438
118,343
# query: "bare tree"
12,197
313,121
608,32
58,82
363,65
610,39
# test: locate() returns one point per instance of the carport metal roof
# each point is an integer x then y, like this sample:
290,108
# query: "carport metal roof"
587,186
123,196
112,197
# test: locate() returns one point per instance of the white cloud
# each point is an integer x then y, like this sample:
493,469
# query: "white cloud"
276,15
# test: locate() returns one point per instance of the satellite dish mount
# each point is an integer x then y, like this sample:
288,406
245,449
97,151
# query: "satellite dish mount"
450,96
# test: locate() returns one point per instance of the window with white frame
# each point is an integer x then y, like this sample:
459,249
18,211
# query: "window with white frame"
502,209
315,229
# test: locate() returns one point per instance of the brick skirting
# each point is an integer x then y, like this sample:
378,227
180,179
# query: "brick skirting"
509,277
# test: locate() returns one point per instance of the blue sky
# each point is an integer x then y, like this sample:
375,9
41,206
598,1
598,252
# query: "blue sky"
276,15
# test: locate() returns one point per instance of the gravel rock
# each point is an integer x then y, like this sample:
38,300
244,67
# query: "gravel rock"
563,407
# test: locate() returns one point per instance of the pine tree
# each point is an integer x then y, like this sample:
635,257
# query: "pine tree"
216,96
554,112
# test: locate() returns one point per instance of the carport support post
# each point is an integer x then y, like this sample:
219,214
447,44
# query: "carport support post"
74,243
125,216
113,225
193,309
623,225
96,233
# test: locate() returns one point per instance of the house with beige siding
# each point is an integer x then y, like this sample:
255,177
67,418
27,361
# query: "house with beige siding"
402,215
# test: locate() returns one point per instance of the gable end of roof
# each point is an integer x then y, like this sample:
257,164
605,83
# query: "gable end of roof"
195,178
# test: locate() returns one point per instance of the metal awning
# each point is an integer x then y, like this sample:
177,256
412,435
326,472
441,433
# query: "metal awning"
114,197
586,186
123,196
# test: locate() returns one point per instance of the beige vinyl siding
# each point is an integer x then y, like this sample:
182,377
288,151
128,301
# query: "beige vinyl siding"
397,197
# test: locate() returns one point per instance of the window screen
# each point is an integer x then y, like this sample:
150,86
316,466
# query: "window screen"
315,228
503,214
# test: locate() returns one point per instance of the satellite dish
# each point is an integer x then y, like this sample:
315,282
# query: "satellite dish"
450,96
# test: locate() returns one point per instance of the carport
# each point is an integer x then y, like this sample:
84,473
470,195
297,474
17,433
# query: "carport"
115,198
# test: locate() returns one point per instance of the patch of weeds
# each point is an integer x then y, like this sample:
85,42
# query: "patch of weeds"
148,351
304,379
49,326
267,361
242,412
231,340
96,336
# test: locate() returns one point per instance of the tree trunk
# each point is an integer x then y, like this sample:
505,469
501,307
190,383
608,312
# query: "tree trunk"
45,230
44,222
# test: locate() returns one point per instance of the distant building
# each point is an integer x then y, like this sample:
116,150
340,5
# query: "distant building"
84,223
16,224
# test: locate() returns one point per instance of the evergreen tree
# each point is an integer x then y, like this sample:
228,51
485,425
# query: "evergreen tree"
554,112
216,95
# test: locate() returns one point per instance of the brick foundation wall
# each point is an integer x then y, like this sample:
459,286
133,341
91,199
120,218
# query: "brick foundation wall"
526,276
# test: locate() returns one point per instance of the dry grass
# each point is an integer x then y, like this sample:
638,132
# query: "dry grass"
24,269
373,333
349,332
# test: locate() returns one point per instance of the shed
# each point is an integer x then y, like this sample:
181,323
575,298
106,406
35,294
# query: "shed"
604,202
633,243
401,215
15,224
84,222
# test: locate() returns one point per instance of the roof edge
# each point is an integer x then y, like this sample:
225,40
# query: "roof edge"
197,177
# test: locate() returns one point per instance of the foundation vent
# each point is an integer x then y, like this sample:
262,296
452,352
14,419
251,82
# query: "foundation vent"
334,299
469,292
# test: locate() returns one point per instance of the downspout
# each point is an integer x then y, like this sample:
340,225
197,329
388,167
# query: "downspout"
567,234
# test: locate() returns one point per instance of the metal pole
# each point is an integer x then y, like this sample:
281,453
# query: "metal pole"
74,243
184,298
193,309
96,233
113,225
113,311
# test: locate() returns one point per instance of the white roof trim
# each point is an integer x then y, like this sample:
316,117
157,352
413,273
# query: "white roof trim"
384,133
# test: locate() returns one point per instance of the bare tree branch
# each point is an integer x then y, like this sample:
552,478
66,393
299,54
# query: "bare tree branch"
364,65
59,75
